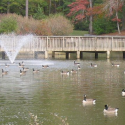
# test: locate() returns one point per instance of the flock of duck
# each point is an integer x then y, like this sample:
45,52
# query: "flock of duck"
107,109
86,101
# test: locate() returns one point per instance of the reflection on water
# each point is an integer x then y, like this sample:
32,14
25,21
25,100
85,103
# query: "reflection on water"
51,98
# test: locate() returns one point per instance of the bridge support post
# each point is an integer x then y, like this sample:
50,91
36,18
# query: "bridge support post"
78,54
67,55
53,54
81,55
35,54
3,55
108,54
46,54
96,55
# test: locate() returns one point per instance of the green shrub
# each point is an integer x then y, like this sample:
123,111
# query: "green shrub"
104,26
8,25
84,25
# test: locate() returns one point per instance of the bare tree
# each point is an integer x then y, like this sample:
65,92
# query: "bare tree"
112,6
90,19
27,8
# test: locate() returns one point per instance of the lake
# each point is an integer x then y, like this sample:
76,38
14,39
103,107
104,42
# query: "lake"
50,98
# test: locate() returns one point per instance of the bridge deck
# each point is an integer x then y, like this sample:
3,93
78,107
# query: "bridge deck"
68,43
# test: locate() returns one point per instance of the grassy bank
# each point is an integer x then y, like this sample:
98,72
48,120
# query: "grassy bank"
78,33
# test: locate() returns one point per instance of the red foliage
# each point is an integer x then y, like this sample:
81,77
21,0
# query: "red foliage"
78,8
116,20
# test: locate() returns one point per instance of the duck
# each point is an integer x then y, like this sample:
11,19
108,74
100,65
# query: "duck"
4,72
65,72
93,65
116,65
22,72
89,101
76,63
45,66
73,71
35,71
123,92
110,110
25,69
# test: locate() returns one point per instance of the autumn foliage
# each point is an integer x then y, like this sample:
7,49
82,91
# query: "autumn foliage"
79,9
54,25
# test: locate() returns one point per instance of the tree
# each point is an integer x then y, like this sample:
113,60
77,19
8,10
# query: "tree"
113,6
27,2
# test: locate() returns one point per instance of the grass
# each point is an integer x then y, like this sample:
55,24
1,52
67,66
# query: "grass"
78,33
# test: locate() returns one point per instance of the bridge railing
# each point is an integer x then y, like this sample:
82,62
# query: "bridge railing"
69,43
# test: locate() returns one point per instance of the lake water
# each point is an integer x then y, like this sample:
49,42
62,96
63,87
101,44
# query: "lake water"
57,99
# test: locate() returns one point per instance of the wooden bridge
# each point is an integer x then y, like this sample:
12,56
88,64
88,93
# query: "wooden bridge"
71,44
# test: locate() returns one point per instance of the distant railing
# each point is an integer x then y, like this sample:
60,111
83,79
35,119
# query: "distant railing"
71,43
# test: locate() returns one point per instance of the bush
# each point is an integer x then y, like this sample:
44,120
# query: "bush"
29,25
103,26
59,25
54,25
84,25
8,25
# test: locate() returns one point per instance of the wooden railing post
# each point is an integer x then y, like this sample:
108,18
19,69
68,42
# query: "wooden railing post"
63,43
46,51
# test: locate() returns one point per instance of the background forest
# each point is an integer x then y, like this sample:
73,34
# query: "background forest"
61,17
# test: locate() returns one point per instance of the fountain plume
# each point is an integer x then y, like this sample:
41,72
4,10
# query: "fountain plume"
12,44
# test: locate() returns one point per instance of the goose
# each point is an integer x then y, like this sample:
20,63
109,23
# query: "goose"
73,71
6,65
116,65
4,72
35,71
65,72
79,67
22,72
76,63
109,110
89,101
123,92
20,65
25,69
45,66
93,65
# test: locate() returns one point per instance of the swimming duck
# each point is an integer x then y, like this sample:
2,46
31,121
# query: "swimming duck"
45,66
91,101
65,72
4,72
123,92
76,63
110,110
117,65
93,65
73,71
35,71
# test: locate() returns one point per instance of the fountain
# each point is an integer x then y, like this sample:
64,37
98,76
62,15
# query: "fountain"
12,44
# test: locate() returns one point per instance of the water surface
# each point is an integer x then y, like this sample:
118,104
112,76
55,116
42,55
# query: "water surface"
57,99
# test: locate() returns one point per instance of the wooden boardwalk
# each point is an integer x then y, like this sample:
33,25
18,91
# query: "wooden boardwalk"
69,44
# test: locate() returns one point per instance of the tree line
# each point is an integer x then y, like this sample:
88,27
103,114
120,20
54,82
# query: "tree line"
97,16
